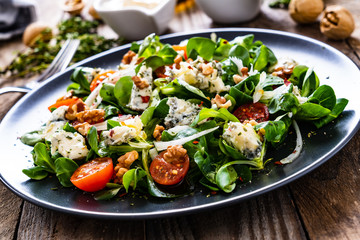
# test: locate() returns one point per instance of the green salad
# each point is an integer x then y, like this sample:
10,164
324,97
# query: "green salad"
172,118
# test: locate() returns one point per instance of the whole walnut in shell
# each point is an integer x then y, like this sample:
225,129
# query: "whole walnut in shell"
337,22
305,11
35,31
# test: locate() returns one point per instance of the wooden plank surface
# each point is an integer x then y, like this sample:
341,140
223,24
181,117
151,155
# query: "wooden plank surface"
270,216
321,205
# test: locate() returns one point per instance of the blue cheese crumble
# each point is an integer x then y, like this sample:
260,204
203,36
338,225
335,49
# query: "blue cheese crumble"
139,99
181,112
244,138
191,72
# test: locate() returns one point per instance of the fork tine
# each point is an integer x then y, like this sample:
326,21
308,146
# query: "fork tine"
71,51
65,58
45,74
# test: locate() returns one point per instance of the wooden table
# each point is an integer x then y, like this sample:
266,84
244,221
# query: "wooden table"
324,204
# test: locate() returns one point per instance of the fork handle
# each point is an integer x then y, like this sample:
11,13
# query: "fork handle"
14,89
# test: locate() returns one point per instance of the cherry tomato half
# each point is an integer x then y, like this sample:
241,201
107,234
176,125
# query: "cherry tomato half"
94,175
252,111
99,78
166,173
65,102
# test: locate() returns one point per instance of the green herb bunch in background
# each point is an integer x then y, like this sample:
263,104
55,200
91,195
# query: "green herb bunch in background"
36,59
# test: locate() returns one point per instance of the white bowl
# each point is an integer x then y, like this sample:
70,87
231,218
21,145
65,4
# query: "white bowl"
135,22
230,11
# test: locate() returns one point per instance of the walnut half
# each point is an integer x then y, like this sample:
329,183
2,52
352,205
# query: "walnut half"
157,132
337,22
124,163
175,153
139,82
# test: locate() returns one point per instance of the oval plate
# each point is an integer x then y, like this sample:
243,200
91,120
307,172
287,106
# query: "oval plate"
332,67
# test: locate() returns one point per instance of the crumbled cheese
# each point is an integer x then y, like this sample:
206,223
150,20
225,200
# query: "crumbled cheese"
129,129
140,98
181,112
243,138
51,128
70,145
190,73
59,114
119,135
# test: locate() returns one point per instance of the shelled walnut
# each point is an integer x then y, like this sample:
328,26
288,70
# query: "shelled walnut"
337,22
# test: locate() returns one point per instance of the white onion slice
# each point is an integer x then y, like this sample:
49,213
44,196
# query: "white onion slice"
163,145
153,153
298,148
177,129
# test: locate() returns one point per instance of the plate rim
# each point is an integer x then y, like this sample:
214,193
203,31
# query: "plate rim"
197,208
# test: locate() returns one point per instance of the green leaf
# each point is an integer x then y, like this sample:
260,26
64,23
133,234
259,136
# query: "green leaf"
79,78
92,138
42,157
65,167
68,128
107,93
226,177
111,111
204,47
324,96
122,91
222,49
32,138
311,112
310,83
261,59
275,131
286,102
222,113
246,41
36,173
336,111
182,89
107,194
112,123
205,165
131,178
241,53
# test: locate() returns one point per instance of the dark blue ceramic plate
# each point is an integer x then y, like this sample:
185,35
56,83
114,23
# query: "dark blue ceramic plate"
332,67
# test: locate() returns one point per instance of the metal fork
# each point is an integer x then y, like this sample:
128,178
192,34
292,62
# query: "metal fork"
59,64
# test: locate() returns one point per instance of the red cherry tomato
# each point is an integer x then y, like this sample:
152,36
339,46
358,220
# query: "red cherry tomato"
94,175
252,111
99,78
166,173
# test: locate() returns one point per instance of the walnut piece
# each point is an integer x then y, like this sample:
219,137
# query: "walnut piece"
91,116
283,72
337,22
74,109
175,153
206,69
124,163
157,132
244,74
221,102
83,128
73,7
305,11
128,57
140,83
